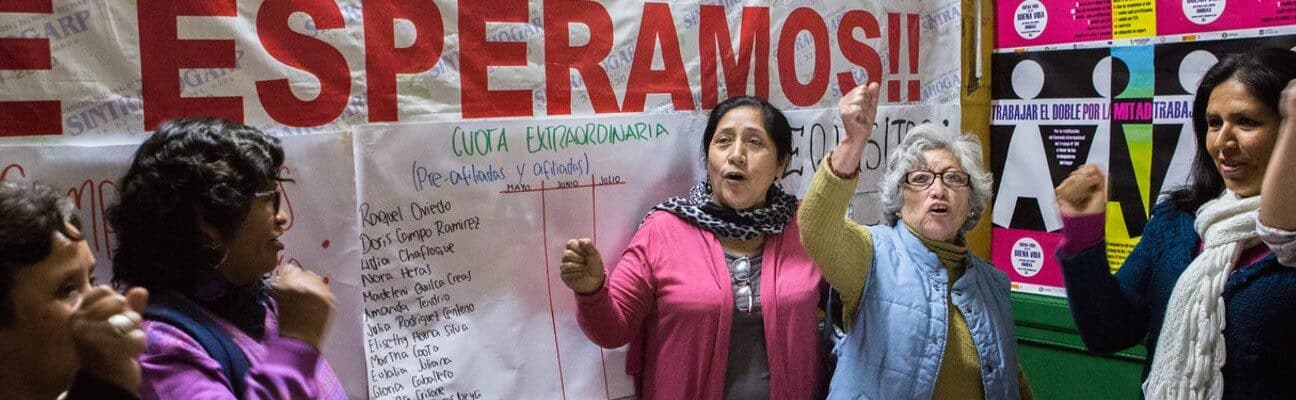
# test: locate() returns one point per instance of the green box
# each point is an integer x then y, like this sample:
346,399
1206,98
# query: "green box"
1056,362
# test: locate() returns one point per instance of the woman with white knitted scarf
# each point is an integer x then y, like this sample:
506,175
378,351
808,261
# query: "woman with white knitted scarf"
1211,327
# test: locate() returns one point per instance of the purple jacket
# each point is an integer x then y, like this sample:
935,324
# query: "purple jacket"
175,366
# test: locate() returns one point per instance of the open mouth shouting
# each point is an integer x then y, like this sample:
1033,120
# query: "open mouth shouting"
940,209
735,176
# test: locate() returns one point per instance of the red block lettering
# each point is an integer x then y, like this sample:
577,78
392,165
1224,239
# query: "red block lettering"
476,55
28,117
893,56
803,19
561,56
383,60
162,55
856,51
915,86
306,53
753,39
657,25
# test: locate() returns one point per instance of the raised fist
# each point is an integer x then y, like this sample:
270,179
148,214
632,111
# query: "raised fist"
1083,192
582,267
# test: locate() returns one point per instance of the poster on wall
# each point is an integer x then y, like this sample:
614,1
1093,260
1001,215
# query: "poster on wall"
1134,18
1044,125
1132,118
461,242
1060,23
1131,190
1028,23
1179,17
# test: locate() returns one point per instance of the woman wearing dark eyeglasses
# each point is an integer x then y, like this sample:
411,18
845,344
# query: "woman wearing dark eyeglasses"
925,318
714,293
198,225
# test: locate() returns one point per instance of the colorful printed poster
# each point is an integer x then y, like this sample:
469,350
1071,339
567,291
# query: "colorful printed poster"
1132,117
1129,169
1024,23
1052,118
1133,18
1153,141
1176,17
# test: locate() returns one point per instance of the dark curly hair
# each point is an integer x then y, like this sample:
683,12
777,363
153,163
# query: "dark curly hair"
775,123
30,213
189,169
1265,73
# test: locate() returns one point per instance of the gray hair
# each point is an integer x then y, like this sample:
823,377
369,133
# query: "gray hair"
909,156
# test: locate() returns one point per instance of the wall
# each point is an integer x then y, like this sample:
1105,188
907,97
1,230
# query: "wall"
1051,352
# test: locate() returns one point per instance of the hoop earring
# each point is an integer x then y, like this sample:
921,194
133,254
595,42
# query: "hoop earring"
218,248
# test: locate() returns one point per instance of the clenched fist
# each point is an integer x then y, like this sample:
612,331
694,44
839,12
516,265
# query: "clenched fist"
582,267
305,303
858,110
1287,104
1083,192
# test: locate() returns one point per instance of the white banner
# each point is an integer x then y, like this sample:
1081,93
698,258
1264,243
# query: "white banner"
101,74
81,71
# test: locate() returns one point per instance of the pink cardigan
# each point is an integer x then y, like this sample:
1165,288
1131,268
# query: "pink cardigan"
670,298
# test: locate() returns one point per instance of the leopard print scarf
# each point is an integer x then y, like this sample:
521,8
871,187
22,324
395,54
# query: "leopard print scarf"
699,210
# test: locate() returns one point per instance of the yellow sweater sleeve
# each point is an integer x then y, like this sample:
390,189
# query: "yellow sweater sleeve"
842,248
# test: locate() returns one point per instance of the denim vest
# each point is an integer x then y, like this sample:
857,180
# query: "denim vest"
894,349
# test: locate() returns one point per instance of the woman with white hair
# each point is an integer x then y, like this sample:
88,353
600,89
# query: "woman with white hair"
925,318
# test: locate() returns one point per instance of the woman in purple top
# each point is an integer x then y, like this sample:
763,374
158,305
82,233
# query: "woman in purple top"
198,225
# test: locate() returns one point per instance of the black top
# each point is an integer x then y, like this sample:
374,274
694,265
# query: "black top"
747,372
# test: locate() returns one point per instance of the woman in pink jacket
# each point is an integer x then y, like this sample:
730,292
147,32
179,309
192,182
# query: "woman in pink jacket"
714,293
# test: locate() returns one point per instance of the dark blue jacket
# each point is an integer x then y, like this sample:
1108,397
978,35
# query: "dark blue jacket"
1116,312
